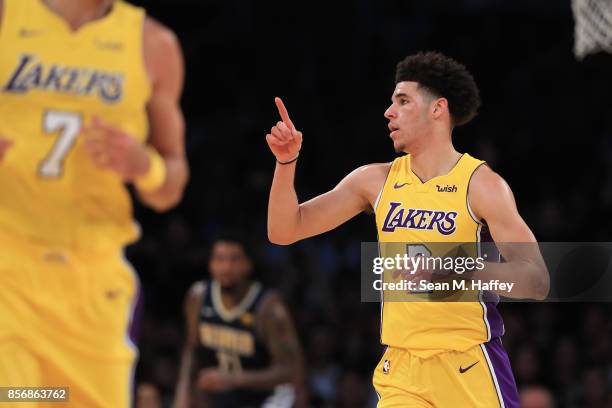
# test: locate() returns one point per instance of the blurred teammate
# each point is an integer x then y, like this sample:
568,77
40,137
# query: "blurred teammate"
240,338
89,101
439,354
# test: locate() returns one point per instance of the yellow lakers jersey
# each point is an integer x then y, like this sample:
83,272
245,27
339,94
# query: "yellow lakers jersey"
410,213
53,80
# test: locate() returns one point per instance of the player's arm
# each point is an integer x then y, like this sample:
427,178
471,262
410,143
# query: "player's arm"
193,301
276,328
164,62
491,199
288,220
159,168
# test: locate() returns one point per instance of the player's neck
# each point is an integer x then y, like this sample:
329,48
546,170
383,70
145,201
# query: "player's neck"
81,12
433,160
234,295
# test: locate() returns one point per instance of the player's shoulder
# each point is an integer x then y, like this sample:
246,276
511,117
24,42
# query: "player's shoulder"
159,36
269,297
162,51
370,172
271,304
271,312
486,181
374,168
195,293
489,192
367,181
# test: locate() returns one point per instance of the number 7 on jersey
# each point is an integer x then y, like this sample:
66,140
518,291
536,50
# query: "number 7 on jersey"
68,124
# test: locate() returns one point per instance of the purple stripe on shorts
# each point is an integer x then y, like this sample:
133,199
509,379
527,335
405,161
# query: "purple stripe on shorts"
496,324
500,365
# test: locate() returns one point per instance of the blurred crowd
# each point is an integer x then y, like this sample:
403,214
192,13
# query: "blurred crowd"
545,126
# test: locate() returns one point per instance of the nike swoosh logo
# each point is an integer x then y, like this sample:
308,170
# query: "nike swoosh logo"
29,33
396,186
112,293
463,370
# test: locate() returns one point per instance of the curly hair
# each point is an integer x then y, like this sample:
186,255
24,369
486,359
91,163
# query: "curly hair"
443,77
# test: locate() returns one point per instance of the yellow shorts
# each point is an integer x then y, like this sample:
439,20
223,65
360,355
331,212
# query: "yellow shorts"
478,377
64,321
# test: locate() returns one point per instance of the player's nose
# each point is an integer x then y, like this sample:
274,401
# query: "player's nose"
390,112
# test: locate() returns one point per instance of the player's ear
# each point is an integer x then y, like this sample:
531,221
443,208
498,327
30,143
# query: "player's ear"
438,107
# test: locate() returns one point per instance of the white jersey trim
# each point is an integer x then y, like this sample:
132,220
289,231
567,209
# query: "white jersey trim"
494,376
243,306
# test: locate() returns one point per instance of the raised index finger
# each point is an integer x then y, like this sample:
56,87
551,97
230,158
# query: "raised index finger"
283,112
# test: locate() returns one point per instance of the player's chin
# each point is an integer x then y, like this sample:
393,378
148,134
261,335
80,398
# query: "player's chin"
398,147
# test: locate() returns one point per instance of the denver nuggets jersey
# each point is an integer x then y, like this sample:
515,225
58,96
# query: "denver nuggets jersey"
229,341
53,80
437,211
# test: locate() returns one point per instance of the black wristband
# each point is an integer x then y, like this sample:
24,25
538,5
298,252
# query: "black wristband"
288,162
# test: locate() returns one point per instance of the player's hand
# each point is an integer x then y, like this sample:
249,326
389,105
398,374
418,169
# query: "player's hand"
284,139
420,273
5,145
212,379
410,274
113,149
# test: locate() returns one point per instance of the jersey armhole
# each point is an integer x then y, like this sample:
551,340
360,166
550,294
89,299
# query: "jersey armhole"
382,189
467,196
143,60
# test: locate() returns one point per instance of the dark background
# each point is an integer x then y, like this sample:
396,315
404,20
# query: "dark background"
545,126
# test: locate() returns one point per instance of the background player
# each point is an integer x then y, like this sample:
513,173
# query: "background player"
240,336
89,101
433,94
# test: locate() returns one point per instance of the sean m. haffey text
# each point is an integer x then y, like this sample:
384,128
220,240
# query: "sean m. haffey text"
438,265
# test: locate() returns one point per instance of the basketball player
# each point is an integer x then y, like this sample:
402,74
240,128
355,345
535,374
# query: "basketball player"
239,336
89,102
439,354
